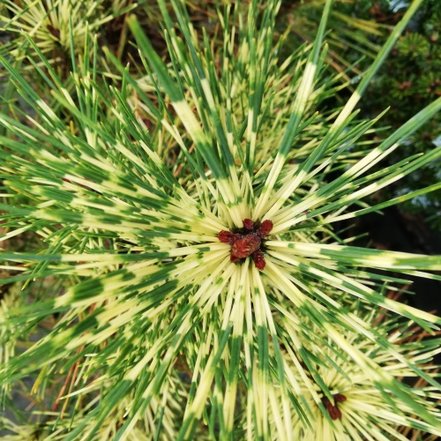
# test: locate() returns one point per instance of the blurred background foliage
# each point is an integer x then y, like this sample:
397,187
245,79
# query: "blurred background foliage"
409,80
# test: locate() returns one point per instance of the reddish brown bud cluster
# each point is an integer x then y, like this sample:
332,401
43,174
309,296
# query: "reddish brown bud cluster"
333,409
247,241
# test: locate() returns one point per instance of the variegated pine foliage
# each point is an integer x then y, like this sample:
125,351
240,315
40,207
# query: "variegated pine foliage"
160,335
56,26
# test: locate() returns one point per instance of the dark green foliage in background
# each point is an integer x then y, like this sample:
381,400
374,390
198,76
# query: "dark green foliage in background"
410,79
